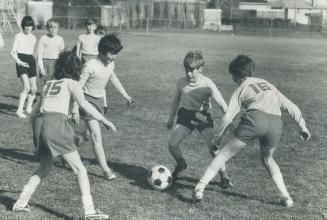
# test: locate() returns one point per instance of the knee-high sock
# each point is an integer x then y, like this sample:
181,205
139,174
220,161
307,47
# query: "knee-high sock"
279,182
28,191
22,98
88,204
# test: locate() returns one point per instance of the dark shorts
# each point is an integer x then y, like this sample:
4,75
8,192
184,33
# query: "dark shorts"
97,103
31,70
257,124
194,120
53,135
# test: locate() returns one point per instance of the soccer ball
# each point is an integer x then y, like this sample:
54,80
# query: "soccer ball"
159,177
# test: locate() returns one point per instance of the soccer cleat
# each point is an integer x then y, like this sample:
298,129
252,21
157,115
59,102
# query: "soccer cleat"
180,167
17,208
197,195
98,215
20,114
214,150
109,175
287,202
226,183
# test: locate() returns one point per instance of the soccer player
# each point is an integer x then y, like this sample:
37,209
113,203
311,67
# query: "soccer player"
22,52
49,48
53,136
94,77
261,120
192,100
87,44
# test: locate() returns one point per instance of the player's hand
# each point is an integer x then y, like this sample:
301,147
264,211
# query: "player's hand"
23,64
108,124
76,118
169,124
305,134
42,72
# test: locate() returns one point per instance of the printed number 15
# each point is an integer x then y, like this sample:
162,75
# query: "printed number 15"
258,87
52,88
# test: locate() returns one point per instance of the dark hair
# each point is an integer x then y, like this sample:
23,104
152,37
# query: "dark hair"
27,21
90,21
109,43
67,66
100,30
241,67
51,20
193,59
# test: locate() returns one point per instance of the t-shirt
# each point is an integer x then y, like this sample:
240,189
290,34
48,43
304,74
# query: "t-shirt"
24,43
50,47
88,44
259,94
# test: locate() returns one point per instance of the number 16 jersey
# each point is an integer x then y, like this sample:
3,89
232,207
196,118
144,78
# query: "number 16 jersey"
259,94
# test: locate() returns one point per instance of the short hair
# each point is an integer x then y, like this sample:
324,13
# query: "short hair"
90,21
193,59
51,21
242,66
67,66
109,43
100,30
27,21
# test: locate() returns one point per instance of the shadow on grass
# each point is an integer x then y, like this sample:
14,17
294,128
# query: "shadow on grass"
8,109
17,154
11,96
242,196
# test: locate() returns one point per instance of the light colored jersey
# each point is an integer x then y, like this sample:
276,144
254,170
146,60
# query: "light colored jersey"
50,47
94,77
259,94
58,96
88,44
196,96
24,43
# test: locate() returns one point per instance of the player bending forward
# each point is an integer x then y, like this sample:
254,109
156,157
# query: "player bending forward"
53,136
262,119
193,99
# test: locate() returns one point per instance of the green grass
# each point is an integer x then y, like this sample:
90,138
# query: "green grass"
148,67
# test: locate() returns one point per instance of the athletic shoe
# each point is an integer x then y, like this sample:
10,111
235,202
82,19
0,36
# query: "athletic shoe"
180,167
20,114
17,208
287,202
110,175
197,195
214,150
98,215
226,183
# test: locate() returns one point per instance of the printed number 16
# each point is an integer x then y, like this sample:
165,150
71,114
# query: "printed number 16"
52,88
258,87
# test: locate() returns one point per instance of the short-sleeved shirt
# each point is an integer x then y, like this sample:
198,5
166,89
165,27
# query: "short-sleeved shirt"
24,43
50,47
196,96
259,94
94,77
88,43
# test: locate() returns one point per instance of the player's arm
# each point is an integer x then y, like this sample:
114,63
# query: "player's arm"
62,45
40,56
174,107
294,111
216,95
116,83
78,96
14,55
78,48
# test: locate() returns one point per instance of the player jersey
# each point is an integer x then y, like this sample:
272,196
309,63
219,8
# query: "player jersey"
196,96
57,96
259,94
24,43
94,77
88,43
50,47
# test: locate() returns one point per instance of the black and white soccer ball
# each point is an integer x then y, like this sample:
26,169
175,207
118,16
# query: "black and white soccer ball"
159,177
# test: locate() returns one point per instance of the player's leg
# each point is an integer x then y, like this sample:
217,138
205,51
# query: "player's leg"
74,161
180,132
31,95
208,134
28,190
23,95
97,146
232,147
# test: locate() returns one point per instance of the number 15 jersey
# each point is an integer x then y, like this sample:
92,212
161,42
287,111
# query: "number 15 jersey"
259,94
58,94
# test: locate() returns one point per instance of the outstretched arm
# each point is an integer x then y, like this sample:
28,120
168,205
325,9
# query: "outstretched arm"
216,95
116,83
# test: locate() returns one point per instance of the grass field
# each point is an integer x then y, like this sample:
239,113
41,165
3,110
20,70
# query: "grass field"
148,68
